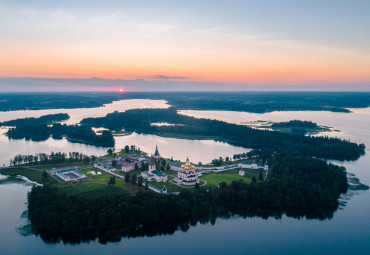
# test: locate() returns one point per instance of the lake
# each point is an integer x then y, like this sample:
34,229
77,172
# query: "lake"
197,150
348,232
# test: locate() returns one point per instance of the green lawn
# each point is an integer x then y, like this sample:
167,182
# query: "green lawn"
97,185
49,167
105,191
212,179
137,172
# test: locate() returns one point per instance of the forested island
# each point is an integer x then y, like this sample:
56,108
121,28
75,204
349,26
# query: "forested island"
298,186
295,123
297,127
140,120
46,119
73,133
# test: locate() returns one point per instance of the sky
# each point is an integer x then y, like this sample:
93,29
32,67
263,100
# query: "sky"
185,45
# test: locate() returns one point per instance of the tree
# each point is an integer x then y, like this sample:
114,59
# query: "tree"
260,176
136,166
196,185
146,185
44,176
112,181
127,149
140,181
127,177
222,185
110,151
114,163
86,160
133,179
254,179
168,167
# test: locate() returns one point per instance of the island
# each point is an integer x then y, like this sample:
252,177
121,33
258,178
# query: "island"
112,195
291,127
40,129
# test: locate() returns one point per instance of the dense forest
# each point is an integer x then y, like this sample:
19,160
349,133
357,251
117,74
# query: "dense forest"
241,135
74,133
298,186
259,102
46,119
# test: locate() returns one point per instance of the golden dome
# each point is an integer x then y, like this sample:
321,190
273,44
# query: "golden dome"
182,166
192,167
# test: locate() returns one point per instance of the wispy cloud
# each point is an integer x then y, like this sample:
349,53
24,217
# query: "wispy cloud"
167,77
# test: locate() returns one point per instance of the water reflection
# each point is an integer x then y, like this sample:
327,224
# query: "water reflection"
171,228
197,150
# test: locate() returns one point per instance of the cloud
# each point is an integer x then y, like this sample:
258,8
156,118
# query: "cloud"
166,77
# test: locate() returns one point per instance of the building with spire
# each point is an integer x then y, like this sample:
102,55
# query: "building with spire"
187,175
156,153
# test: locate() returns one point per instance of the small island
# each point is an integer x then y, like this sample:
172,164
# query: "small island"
298,127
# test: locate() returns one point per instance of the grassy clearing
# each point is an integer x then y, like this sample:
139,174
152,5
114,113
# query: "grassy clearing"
106,191
97,185
212,179
49,167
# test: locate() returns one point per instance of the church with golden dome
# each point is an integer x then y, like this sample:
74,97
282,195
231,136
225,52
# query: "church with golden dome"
187,175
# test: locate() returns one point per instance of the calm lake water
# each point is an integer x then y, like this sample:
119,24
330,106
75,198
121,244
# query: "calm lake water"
348,232
179,149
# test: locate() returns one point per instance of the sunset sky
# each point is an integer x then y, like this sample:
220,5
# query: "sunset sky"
231,44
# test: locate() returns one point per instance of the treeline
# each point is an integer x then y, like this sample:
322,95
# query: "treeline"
74,133
55,100
52,158
46,119
253,154
139,121
310,187
295,123
259,102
